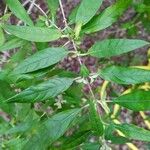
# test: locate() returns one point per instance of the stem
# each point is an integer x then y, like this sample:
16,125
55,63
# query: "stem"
6,9
26,2
66,43
31,6
63,13
42,11
38,7
75,48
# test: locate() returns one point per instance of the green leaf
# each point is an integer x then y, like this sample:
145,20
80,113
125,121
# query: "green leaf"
95,120
21,54
87,10
24,113
125,75
43,91
52,129
115,139
134,132
53,6
21,127
107,17
11,44
41,60
5,93
35,34
15,143
91,146
75,140
5,17
2,37
114,47
74,94
84,72
138,100
72,15
18,10
41,46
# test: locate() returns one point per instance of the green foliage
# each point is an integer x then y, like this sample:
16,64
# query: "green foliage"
43,106
42,91
51,129
137,100
53,6
2,38
95,120
115,139
134,132
17,9
12,43
41,60
107,17
125,75
36,34
82,16
115,47
142,15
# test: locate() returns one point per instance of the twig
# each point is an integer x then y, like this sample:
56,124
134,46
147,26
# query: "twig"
6,9
38,7
75,48
31,6
42,11
26,2
66,43
62,10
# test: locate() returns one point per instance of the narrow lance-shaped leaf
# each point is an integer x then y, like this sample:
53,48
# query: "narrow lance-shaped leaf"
87,10
125,75
15,143
91,146
20,55
72,15
95,120
41,59
35,34
75,140
134,132
16,7
2,37
115,47
44,91
138,100
21,127
115,139
51,130
107,17
5,92
13,43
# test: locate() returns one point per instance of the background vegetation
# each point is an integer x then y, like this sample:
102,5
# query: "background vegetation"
70,78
